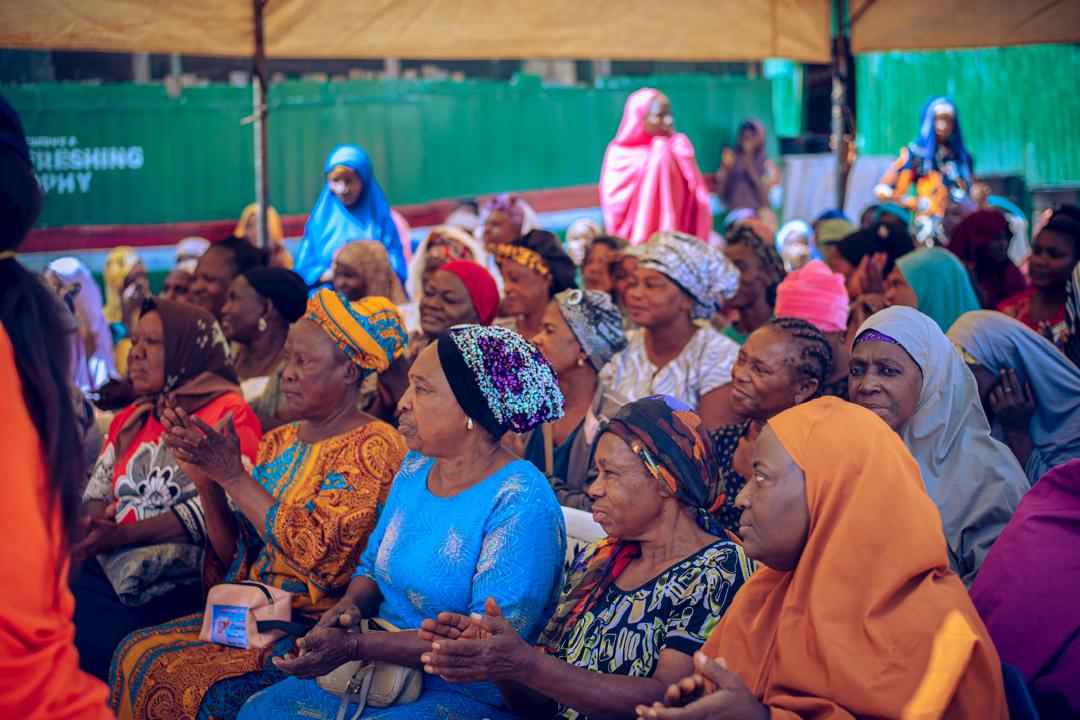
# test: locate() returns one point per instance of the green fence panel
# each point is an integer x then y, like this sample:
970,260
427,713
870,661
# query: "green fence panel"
130,154
1019,107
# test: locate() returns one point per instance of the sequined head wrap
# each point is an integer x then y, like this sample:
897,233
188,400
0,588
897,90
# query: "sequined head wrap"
595,322
370,331
499,378
702,271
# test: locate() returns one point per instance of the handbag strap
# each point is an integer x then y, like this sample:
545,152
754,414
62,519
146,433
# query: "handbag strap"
263,590
356,693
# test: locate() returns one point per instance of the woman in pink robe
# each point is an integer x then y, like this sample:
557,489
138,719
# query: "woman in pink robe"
650,180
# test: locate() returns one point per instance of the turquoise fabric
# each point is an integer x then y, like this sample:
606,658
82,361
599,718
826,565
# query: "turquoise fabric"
504,537
942,284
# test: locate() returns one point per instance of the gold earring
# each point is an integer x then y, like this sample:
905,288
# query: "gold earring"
262,324
469,424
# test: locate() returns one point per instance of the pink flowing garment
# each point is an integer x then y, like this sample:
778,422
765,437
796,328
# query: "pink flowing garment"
651,182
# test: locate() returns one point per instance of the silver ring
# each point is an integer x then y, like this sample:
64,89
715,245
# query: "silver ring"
1008,389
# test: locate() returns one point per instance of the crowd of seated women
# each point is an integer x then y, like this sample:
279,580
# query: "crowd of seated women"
823,481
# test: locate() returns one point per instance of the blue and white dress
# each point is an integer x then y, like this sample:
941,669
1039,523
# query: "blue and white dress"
504,538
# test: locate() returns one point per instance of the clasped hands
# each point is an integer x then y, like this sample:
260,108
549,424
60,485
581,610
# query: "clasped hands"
205,453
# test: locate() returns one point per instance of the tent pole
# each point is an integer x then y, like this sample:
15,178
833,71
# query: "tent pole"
259,110
837,98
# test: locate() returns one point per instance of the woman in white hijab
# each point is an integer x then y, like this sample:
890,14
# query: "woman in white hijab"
93,364
905,370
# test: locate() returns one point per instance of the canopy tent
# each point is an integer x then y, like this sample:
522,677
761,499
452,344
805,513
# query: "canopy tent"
441,29
686,30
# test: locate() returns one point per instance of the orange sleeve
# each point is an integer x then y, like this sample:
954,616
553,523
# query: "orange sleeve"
39,666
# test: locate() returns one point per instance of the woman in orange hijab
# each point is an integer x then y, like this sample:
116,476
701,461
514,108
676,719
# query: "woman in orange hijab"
856,613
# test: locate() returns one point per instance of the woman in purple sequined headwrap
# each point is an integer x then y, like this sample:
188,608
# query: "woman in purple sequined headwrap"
465,521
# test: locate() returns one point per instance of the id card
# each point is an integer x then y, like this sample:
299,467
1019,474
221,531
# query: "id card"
229,625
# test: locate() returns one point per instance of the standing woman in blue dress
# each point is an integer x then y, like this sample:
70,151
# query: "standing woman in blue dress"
352,206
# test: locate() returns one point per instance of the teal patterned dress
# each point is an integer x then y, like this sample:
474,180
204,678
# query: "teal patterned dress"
503,537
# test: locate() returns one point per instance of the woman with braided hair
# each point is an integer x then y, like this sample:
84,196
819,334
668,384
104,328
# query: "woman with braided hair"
760,270
782,364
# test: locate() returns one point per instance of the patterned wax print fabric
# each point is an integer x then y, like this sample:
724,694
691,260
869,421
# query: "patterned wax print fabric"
625,632
726,440
145,480
503,537
329,495
703,365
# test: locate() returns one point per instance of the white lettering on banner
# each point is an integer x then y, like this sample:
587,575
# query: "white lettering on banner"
55,156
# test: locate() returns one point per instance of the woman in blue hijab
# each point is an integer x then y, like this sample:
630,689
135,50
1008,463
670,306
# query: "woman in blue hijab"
351,207
931,171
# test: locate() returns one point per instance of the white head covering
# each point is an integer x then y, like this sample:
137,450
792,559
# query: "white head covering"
99,364
995,341
974,480
191,248
415,284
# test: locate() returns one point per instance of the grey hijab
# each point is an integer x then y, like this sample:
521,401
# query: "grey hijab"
974,480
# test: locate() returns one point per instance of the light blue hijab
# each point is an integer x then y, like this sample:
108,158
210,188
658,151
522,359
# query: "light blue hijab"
997,341
332,225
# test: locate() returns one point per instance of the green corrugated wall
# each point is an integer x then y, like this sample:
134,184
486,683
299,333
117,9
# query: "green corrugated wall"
1019,107
427,139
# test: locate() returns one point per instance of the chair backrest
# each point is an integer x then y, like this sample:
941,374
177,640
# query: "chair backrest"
1017,695
581,530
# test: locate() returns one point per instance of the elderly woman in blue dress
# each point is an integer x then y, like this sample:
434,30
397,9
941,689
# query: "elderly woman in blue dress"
465,521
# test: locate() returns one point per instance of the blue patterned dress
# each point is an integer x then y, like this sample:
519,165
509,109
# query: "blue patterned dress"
503,537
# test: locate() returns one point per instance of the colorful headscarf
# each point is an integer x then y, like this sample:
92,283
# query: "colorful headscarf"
284,288
674,446
518,212
370,259
880,210
118,265
370,331
499,378
998,341
925,146
816,294
479,284
941,284
701,271
595,321
197,365
443,244
331,224
789,251
541,252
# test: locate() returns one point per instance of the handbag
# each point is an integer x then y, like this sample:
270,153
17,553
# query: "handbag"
246,615
372,682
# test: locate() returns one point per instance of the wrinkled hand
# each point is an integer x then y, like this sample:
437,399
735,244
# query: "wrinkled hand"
212,451
1013,404
688,699
102,535
319,652
498,653
344,614
455,626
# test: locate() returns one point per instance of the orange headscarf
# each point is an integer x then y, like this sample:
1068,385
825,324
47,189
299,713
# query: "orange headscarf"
871,623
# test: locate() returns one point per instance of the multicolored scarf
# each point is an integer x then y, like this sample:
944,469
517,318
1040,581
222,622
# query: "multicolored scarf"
526,257
370,331
675,448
